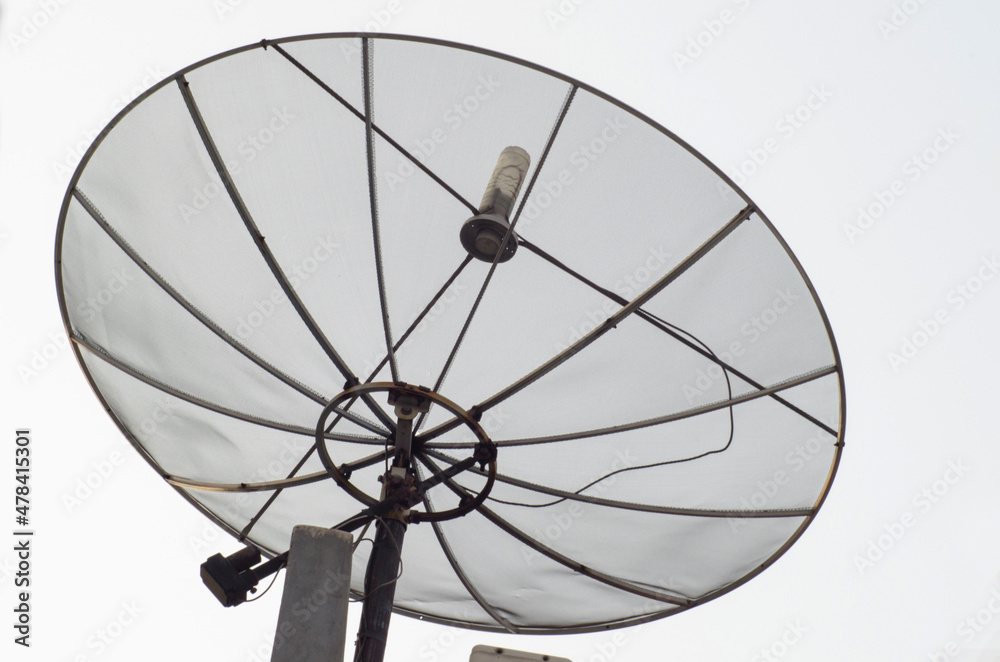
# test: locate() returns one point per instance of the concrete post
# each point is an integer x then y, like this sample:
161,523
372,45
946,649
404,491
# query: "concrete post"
312,621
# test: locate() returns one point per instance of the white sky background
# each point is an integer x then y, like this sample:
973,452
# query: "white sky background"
134,544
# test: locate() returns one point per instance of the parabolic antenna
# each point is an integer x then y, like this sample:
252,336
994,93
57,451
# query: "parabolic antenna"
620,393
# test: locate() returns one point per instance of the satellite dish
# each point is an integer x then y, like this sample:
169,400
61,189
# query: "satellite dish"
612,390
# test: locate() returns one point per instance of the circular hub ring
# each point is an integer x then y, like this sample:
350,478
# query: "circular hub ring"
420,392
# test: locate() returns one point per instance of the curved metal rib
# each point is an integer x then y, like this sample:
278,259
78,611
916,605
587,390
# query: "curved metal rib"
659,420
625,505
366,81
205,486
610,323
265,251
508,237
460,573
582,629
414,160
101,353
98,217
561,559
265,486
260,513
615,319
274,495
663,326
359,421
423,313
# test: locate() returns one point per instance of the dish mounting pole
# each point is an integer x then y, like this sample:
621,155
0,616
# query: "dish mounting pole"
384,563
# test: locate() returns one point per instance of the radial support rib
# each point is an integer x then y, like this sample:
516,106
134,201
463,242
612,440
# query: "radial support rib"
624,505
606,326
666,328
460,573
101,353
266,253
275,494
524,538
414,160
204,486
616,319
98,217
366,48
423,313
266,486
659,420
508,237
